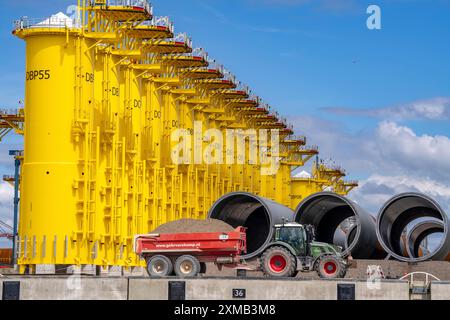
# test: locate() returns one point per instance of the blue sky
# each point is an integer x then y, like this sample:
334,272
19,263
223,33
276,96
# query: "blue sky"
368,98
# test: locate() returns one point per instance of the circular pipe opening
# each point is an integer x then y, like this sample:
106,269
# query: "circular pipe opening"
419,233
398,213
326,211
257,214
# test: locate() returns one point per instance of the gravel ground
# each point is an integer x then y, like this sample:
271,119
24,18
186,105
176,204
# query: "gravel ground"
194,226
358,271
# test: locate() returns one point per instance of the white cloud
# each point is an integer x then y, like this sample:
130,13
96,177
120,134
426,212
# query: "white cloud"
6,202
425,155
393,157
430,109
6,208
377,189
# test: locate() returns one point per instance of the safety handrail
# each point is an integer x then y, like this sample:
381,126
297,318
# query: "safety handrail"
293,137
214,65
242,87
7,112
144,4
310,148
199,52
183,38
426,274
51,22
160,22
229,76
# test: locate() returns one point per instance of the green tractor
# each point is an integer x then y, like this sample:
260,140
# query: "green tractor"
293,249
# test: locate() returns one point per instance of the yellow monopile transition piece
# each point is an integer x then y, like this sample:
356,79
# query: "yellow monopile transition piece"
105,94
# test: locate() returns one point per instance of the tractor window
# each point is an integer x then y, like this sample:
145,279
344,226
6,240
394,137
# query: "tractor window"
294,236
289,234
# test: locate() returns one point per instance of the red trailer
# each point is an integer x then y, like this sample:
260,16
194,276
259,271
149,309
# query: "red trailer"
187,253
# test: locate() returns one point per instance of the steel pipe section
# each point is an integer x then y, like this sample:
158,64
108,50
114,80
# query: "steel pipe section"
402,210
378,254
255,213
419,232
327,210
350,235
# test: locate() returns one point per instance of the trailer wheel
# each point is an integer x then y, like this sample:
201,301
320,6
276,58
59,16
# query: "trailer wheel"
159,266
187,266
278,262
331,267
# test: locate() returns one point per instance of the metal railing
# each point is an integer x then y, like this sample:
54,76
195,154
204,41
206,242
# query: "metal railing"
199,52
229,76
413,275
255,98
144,4
183,38
275,114
242,87
313,148
159,22
327,166
291,127
297,138
266,106
8,112
214,65
55,22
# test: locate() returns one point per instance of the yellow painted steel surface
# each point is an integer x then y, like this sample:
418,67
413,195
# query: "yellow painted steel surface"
100,110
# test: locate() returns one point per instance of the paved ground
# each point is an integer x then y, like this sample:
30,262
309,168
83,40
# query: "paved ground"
391,269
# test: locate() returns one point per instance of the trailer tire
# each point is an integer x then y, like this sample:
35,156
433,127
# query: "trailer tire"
159,266
278,262
187,266
331,267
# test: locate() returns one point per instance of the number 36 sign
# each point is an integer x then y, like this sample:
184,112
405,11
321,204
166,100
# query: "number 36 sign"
239,293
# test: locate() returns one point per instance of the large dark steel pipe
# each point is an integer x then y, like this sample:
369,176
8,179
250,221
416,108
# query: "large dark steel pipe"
257,214
379,252
350,235
327,210
402,210
418,233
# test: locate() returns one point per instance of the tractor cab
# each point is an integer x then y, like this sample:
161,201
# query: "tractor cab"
302,239
293,248
295,235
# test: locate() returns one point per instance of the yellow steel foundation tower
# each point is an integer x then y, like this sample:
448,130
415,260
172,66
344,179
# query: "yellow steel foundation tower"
113,95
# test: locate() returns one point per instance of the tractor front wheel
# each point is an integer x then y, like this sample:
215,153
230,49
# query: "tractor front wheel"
331,267
278,262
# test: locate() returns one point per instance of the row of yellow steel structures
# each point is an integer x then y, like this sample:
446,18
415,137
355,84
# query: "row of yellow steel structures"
104,92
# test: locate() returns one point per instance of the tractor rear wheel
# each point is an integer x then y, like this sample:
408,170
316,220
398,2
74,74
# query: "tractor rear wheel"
331,267
278,262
